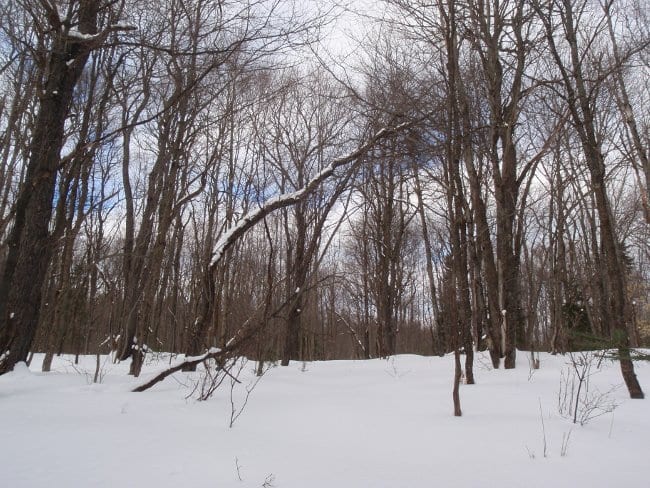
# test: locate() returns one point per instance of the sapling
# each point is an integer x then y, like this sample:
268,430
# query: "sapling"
235,410
577,399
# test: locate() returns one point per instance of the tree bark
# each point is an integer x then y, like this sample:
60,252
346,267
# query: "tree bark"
30,243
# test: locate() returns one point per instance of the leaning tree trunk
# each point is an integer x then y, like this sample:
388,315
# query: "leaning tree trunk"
616,277
583,113
30,242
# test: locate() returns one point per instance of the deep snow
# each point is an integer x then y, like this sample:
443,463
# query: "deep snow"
339,424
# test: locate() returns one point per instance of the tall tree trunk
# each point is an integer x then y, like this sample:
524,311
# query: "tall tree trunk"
30,243
582,110
428,253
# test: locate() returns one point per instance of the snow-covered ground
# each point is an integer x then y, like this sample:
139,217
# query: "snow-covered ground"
339,424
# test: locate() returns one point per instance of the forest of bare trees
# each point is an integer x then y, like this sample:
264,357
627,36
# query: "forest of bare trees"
191,176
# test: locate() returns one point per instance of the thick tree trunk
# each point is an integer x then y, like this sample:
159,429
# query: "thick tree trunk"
298,259
30,242
293,332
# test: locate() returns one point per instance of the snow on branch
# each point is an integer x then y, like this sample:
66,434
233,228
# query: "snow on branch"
94,40
286,200
246,223
218,355
74,34
213,353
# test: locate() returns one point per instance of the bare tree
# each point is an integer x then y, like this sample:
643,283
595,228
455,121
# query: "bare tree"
307,121
640,150
580,94
69,37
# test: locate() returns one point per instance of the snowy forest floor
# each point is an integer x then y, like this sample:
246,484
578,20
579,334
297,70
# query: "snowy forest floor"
338,424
